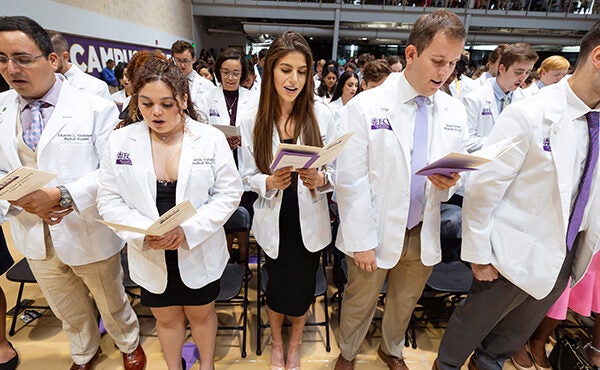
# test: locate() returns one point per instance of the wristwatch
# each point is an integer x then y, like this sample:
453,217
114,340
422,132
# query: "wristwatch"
325,179
65,200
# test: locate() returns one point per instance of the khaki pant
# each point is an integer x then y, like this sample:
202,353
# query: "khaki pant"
67,290
406,281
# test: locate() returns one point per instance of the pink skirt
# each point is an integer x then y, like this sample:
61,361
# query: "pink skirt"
583,298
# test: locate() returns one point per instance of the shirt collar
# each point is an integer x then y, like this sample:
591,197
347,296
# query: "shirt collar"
498,93
540,84
405,91
51,96
191,76
576,108
70,73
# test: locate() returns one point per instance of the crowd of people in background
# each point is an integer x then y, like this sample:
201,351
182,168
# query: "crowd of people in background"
530,218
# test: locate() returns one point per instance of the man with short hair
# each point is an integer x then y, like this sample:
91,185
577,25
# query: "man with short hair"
374,74
485,103
389,216
50,125
183,56
531,218
74,75
108,76
258,67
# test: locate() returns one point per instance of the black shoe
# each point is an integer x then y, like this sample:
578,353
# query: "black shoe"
13,362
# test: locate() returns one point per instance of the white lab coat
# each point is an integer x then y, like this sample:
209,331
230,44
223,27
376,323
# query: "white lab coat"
466,85
86,82
198,87
70,146
516,209
314,211
214,107
207,178
374,170
482,112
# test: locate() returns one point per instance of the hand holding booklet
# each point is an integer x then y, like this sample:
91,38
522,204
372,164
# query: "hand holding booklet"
165,223
305,156
22,181
229,131
459,162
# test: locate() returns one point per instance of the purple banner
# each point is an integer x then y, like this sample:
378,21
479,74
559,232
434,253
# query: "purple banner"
90,54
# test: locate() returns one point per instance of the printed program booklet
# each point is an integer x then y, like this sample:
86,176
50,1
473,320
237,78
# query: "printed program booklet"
22,181
305,156
165,223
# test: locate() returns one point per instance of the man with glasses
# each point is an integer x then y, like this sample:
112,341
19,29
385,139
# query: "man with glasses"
48,124
183,56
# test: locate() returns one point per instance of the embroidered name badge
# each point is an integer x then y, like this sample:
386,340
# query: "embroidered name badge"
546,145
380,124
123,158
486,111
208,161
213,113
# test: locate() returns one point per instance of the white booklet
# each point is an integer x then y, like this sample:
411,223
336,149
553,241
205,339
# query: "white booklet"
229,131
305,156
165,223
22,181
459,162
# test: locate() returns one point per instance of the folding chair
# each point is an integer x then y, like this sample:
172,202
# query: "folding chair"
320,290
20,273
234,282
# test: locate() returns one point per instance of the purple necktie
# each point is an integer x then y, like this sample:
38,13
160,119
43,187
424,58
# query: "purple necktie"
32,134
419,159
585,185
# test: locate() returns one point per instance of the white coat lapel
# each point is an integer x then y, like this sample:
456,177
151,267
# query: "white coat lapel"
390,109
8,127
60,117
188,150
490,101
561,135
143,167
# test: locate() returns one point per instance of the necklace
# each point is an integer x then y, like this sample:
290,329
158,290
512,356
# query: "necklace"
230,108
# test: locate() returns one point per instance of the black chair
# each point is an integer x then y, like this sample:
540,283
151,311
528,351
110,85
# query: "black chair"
234,282
320,290
20,273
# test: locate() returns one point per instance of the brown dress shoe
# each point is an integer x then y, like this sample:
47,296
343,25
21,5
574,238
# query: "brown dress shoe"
393,362
343,364
435,365
135,360
87,365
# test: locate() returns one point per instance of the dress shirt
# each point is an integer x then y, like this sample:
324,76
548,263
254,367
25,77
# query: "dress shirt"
49,101
500,95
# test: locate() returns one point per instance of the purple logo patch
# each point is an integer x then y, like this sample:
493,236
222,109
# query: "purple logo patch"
123,158
213,113
486,111
546,145
380,124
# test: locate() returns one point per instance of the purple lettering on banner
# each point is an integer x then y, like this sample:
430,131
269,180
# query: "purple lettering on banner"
213,113
380,124
91,55
123,158
546,145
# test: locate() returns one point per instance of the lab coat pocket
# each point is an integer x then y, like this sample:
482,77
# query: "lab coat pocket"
514,250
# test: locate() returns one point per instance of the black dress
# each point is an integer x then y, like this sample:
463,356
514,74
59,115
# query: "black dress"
176,293
292,276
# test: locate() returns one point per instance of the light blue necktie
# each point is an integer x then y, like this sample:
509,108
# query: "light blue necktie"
419,159
32,134
585,185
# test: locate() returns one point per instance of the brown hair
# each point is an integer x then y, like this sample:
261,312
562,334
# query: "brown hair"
427,26
376,70
180,46
306,126
496,53
589,42
231,54
160,70
519,52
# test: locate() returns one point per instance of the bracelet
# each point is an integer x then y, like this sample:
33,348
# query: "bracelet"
325,179
589,345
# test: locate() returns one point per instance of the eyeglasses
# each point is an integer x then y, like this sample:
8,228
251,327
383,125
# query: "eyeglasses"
25,60
182,61
233,74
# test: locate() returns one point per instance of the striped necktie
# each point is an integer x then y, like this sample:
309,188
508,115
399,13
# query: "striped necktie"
585,185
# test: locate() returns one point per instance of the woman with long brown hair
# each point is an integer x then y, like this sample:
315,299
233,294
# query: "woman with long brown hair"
291,222
163,158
